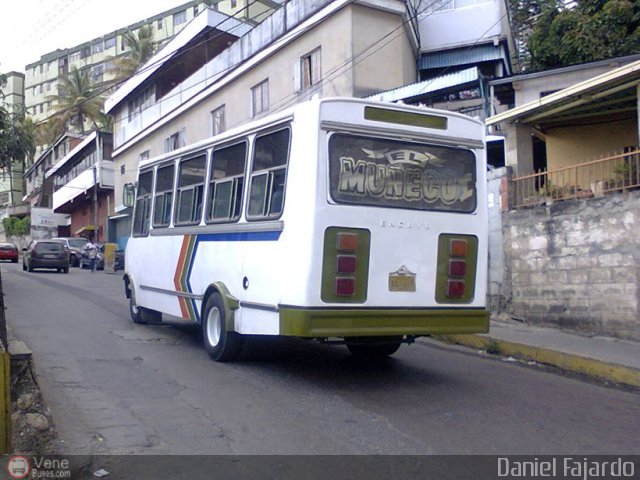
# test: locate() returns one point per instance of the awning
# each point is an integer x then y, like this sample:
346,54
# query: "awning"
86,228
442,82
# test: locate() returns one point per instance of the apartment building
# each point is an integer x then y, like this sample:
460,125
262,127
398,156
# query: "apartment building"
96,56
11,184
306,48
82,186
36,195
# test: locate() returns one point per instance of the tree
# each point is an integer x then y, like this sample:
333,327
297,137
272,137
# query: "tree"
77,100
16,134
589,31
140,49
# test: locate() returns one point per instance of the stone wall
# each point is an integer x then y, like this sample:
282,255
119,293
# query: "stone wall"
575,264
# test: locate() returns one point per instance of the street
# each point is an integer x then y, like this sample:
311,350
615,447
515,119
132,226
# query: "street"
115,387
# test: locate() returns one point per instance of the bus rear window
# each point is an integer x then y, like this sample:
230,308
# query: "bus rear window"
401,174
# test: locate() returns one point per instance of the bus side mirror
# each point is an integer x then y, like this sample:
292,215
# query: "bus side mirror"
128,194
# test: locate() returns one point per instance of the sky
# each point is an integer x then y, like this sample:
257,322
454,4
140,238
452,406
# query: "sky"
32,28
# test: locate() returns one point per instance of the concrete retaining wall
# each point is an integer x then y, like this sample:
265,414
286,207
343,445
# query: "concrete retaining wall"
576,264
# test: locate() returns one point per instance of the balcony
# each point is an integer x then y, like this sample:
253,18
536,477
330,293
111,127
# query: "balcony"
615,173
83,183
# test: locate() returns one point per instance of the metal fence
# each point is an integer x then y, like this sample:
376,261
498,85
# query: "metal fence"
614,173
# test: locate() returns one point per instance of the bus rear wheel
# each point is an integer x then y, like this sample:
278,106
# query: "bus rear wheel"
374,348
221,344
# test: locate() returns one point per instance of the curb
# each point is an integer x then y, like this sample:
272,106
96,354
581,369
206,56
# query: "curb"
565,361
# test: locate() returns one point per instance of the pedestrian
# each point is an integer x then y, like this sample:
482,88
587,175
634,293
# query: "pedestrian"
92,250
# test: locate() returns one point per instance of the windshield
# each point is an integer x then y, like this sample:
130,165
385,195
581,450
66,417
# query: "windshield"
401,174
49,247
77,242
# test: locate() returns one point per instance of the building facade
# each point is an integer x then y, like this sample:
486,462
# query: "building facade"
96,56
82,184
306,48
11,181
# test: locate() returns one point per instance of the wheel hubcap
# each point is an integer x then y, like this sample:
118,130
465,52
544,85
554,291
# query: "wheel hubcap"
214,326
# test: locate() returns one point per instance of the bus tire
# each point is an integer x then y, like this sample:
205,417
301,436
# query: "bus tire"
143,315
373,350
221,344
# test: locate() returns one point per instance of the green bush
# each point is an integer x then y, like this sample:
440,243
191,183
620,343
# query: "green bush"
17,226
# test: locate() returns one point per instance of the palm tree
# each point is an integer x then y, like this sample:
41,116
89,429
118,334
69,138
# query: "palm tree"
78,100
48,131
140,49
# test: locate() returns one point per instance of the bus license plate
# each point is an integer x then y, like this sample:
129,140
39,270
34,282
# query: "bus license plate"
402,283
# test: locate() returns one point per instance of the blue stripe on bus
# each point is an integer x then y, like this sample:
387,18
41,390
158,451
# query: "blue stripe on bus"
225,237
239,237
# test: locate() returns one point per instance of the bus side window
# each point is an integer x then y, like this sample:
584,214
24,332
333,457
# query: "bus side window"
163,196
190,190
143,204
268,174
226,183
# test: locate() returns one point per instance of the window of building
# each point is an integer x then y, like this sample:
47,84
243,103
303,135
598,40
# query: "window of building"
226,183
218,124
179,18
98,46
144,155
144,100
195,10
97,73
268,174
110,43
41,65
164,196
260,98
175,141
190,190
85,52
123,45
309,70
143,204
234,3
41,108
123,169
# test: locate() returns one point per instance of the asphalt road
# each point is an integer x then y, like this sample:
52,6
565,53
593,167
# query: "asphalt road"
115,387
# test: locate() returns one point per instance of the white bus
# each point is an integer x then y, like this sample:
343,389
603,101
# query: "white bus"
341,220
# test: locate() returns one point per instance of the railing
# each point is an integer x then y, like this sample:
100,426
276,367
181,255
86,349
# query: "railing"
614,173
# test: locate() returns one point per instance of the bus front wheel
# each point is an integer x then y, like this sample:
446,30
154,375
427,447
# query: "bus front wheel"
374,349
142,315
221,344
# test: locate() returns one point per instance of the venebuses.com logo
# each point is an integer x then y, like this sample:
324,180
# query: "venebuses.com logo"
18,467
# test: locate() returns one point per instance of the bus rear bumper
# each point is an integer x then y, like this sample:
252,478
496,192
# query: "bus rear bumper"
348,322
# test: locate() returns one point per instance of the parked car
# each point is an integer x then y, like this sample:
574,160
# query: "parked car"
46,254
74,245
8,251
85,257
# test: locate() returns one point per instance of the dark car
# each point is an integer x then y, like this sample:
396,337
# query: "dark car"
85,257
46,254
8,251
74,245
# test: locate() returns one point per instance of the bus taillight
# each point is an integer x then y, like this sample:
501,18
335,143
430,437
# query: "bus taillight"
456,273
345,265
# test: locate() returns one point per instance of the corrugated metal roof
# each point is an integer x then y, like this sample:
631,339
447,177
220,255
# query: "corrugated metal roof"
427,86
463,56
588,93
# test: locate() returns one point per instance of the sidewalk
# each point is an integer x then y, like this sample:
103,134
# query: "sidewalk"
604,358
